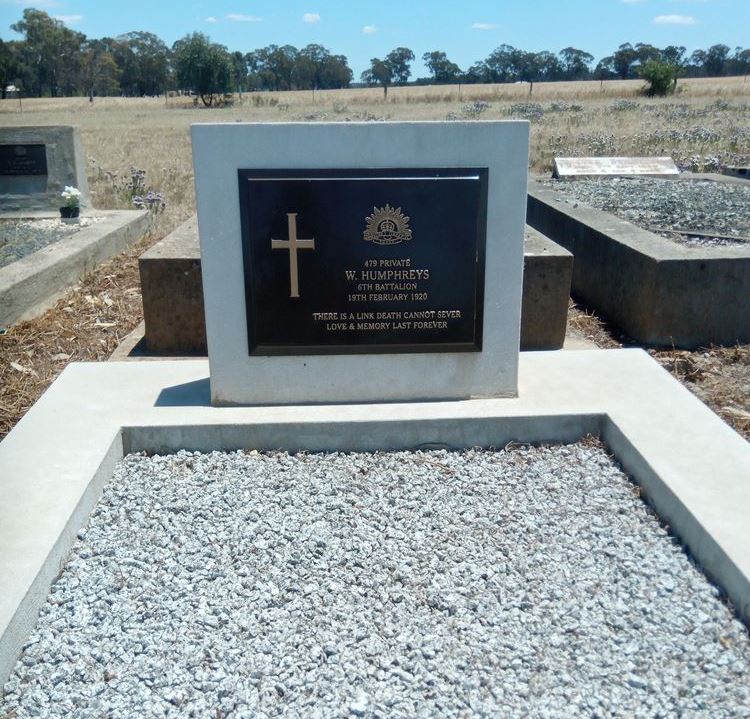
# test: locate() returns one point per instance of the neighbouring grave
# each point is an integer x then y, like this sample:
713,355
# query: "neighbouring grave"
577,167
172,292
36,164
281,567
371,256
737,171
40,254
685,287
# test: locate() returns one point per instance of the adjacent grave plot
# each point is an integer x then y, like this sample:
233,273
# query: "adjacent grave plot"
39,255
532,580
688,293
700,213
22,237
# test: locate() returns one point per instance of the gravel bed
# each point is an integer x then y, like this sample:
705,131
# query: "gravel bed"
531,582
661,205
19,238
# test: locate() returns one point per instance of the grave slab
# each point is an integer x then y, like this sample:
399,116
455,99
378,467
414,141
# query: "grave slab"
689,464
586,167
32,284
660,293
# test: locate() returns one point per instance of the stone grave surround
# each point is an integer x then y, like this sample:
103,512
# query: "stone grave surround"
36,163
497,150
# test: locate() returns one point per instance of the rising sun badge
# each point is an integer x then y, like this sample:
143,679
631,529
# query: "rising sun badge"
386,226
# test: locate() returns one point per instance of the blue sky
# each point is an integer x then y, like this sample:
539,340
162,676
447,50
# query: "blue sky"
468,30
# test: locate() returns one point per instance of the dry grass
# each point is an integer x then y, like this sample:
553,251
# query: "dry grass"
86,324
708,121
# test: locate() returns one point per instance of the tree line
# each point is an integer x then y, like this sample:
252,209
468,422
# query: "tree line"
53,60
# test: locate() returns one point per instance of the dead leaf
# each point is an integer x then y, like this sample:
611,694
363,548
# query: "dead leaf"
24,370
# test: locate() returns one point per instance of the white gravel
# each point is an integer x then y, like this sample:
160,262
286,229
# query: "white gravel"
665,206
531,582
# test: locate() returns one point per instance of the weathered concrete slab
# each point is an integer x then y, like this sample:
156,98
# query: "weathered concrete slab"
172,290
585,167
691,466
547,273
658,292
33,283
36,163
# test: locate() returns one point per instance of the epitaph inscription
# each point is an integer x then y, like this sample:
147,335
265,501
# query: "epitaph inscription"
20,160
361,261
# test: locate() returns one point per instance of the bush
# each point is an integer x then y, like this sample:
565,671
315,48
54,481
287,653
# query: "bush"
660,76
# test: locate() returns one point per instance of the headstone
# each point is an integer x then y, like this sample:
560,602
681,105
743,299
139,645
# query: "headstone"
363,261
36,164
584,167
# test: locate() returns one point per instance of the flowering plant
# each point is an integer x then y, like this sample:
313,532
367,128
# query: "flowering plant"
71,195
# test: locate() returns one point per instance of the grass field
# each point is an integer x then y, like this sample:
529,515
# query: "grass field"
705,125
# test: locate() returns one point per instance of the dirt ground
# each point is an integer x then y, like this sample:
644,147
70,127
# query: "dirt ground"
718,376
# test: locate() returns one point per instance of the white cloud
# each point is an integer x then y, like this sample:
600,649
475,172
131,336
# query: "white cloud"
311,17
674,20
369,29
210,18
69,19
239,17
483,26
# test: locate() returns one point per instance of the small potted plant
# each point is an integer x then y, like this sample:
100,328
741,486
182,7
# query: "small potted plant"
72,207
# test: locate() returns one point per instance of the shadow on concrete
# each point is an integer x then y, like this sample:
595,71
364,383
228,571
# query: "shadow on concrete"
189,394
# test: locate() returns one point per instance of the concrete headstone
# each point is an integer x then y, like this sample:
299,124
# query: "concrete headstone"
36,164
363,261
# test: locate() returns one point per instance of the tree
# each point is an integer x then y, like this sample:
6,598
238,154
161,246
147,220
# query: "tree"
661,77
144,62
575,64
443,71
623,60
379,73
100,73
398,62
239,71
202,67
50,52
716,57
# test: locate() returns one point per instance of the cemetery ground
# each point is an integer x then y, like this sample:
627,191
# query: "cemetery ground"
144,142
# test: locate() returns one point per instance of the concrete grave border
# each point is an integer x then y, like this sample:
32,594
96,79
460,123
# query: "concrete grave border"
692,467
32,284
658,292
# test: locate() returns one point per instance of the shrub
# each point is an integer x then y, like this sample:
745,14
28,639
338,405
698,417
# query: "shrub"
660,76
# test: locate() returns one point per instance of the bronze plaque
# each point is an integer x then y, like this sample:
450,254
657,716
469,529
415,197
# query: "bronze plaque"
363,261
23,160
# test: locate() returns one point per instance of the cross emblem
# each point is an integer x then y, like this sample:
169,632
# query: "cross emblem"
293,244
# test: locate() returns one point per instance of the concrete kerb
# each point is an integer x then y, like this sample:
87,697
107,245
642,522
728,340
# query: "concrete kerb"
658,292
31,284
691,466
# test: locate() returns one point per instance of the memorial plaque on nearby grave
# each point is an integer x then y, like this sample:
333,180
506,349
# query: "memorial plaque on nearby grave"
23,160
572,167
349,261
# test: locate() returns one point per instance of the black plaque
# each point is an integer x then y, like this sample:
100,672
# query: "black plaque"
363,261
23,160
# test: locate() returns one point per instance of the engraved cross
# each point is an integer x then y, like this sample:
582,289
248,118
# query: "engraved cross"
293,244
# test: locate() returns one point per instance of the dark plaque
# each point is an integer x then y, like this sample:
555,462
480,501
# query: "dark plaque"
23,160
356,261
